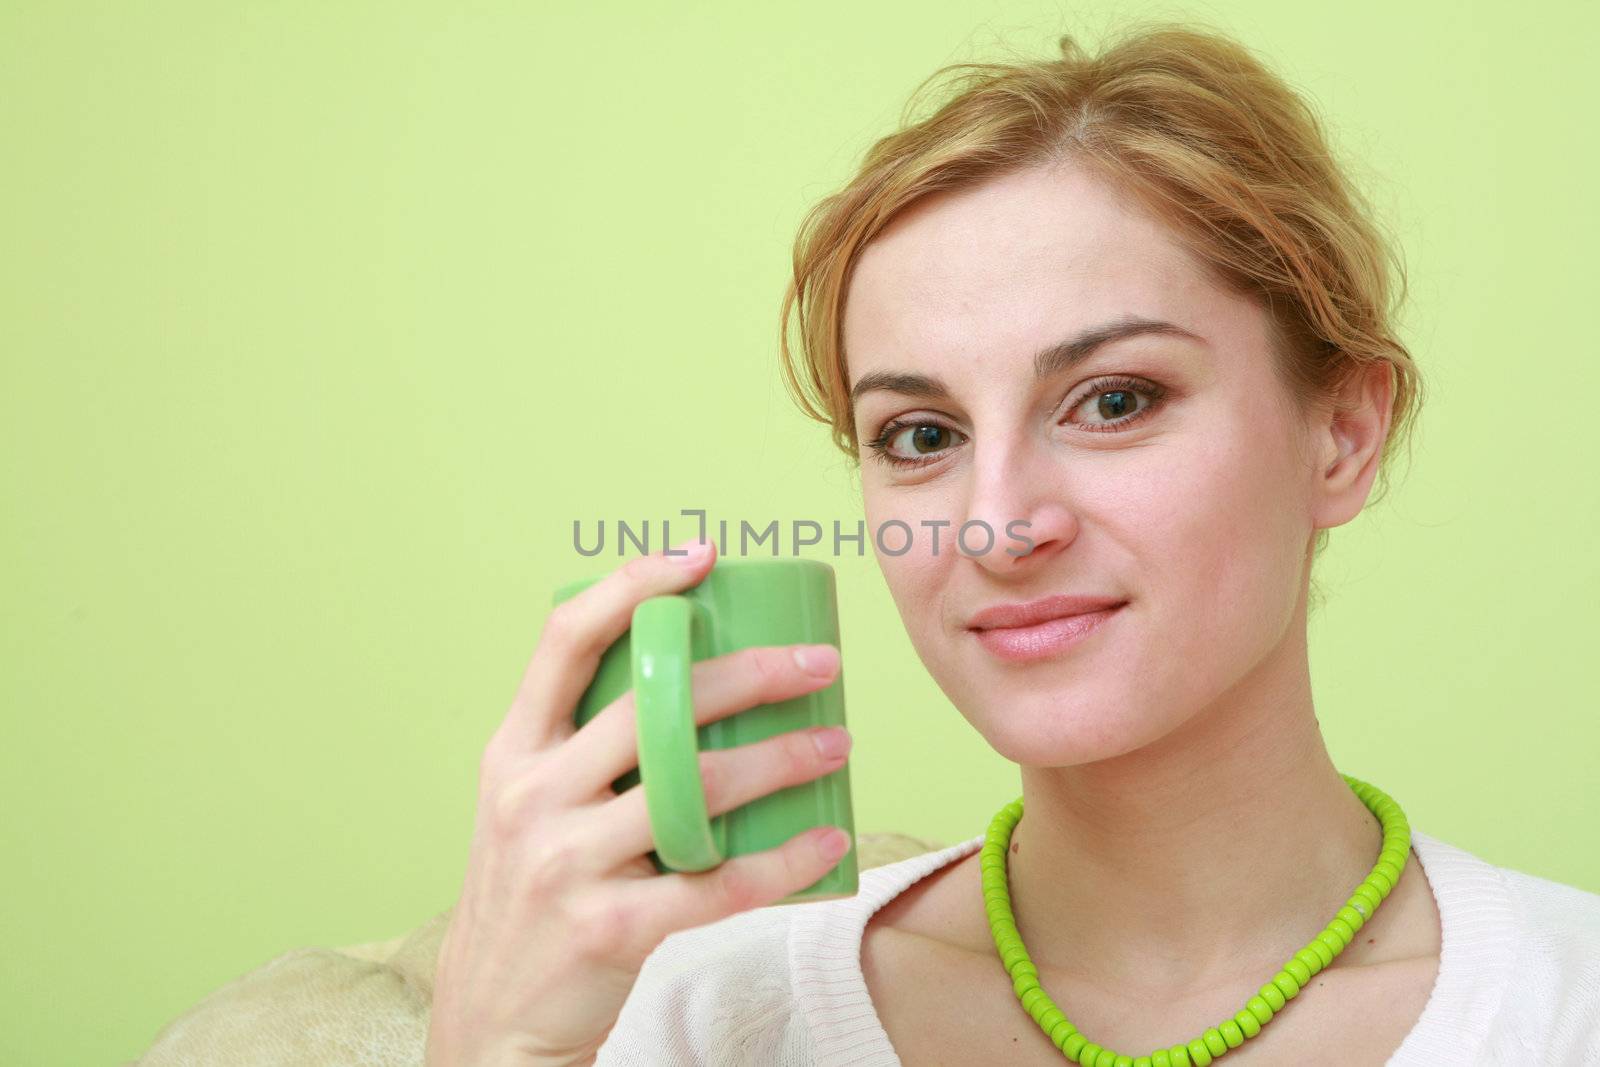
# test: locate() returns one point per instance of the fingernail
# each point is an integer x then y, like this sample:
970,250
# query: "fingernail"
818,660
689,553
831,741
834,844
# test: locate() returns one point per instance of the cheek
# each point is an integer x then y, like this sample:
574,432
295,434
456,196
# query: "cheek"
914,574
1226,531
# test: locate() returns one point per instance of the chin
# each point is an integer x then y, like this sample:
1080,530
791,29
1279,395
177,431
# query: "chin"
1040,726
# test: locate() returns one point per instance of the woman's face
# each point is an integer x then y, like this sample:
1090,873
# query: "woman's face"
1166,469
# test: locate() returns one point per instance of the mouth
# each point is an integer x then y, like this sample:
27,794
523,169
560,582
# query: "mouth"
1042,628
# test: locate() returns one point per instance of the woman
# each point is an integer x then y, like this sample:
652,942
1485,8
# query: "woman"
1126,306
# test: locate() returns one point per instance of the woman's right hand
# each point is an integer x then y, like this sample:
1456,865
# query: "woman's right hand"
561,904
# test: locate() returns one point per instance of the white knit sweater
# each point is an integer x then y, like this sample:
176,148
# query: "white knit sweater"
1518,983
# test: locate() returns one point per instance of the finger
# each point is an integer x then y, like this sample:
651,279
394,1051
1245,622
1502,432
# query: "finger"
731,777
659,906
608,745
578,631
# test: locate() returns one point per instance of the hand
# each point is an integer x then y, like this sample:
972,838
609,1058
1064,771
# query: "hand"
561,905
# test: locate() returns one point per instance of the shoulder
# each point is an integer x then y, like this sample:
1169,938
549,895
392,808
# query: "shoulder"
1551,913
1558,928
1547,934
710,994
1555,990
1558,957
1567,917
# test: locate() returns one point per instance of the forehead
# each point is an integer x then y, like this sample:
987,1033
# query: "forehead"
1014,263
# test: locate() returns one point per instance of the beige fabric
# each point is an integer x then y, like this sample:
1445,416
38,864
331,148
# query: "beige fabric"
360,1004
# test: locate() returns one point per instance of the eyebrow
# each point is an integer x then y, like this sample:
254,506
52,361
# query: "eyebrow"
1061,356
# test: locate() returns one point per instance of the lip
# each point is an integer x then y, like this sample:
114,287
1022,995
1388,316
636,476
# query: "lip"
1041,628
1010,616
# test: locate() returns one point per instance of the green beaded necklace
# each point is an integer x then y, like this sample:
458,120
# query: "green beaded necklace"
1258,1010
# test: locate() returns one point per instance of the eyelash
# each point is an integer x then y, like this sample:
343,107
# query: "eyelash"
880,443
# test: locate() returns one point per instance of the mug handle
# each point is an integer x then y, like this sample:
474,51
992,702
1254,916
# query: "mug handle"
669,749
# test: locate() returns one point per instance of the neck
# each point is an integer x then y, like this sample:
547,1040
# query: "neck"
1195,859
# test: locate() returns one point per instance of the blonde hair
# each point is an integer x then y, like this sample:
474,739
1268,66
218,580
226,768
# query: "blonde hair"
1202,134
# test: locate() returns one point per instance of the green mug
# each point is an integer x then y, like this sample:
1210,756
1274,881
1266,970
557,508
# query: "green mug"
739,604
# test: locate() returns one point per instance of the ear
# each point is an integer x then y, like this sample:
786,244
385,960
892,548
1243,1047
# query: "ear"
1347,439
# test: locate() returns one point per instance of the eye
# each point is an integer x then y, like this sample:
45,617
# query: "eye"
925,441
1114,399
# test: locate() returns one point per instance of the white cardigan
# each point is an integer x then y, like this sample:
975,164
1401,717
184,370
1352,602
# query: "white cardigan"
1518,983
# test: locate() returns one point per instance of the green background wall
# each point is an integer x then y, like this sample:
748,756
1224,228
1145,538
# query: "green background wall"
320,323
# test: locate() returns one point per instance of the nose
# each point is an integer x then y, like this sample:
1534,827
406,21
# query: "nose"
1026,502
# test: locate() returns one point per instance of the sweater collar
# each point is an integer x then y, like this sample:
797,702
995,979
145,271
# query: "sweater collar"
1477,946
